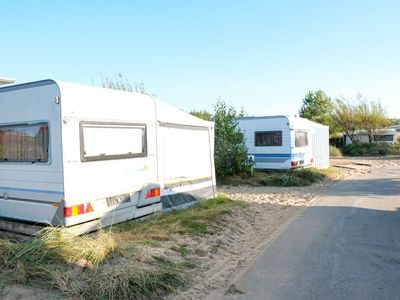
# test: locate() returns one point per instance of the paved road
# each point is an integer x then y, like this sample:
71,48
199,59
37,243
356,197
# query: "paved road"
347,246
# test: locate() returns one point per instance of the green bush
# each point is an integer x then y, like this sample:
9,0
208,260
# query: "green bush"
367,149
231,156
334,152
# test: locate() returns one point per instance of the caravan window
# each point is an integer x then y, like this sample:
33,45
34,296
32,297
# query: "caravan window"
268,138
384,138
102,141
300,138
24,142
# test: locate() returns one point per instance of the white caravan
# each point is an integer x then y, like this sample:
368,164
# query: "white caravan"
386,135
73,154
282,142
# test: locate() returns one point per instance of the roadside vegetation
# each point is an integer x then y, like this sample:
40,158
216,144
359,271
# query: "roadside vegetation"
121,262
294,177
356,118
334,151
367,149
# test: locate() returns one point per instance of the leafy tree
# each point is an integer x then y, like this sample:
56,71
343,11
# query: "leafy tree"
202,114
346,118
318,107
231,157
363,117
394,121
372,117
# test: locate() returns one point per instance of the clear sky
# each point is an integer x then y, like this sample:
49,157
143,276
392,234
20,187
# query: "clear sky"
262,55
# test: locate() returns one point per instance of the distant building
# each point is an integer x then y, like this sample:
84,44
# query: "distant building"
397,127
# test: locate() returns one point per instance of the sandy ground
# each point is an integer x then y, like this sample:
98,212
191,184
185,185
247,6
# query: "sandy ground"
224,255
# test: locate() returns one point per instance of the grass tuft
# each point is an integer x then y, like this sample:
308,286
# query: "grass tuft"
52,252
132,283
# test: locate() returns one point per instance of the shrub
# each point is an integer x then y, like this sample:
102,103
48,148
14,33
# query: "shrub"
300,177
367,149
230,150
334,152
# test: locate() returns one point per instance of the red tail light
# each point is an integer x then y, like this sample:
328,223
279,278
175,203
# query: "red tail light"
81,209
294,163
153,193
67,212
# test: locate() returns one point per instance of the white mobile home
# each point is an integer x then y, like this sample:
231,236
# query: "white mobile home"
387,135
73,154
282,142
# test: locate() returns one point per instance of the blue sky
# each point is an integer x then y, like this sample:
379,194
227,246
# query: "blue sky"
262,55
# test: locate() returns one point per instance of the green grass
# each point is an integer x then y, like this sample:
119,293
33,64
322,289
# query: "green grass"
201,218
295,177
108,264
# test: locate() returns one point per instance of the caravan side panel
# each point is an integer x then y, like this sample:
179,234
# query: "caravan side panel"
98,125
31,191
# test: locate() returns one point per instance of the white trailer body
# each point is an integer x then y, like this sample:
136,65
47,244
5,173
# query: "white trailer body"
278,142
73,154
387,135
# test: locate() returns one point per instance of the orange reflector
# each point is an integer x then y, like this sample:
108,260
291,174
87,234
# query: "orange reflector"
153,193
55,204
89,208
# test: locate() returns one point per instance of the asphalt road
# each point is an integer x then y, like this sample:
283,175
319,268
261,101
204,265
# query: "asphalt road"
346,246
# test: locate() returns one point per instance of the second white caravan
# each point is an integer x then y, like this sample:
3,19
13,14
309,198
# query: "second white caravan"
283,142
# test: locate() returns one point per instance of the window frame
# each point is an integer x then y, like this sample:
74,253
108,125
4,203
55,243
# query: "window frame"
27,124
269,131
308,138
114,156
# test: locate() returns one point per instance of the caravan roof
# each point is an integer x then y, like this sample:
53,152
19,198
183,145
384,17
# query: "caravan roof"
165,113
293,121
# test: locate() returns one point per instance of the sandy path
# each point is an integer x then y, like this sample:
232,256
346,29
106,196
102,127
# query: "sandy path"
225,254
